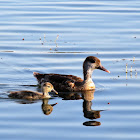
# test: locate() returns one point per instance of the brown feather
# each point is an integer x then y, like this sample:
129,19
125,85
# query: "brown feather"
25,94
73,83
59,81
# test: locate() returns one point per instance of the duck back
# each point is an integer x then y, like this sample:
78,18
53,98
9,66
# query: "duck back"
60,82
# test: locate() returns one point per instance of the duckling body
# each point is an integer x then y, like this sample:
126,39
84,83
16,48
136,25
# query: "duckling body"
25,94
73,83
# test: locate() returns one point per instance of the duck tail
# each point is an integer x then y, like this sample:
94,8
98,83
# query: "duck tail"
38,76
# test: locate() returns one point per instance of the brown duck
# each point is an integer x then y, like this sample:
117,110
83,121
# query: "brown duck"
25,94
70,82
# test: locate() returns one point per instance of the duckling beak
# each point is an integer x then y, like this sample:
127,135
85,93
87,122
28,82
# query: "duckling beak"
53,90
53,104
102,68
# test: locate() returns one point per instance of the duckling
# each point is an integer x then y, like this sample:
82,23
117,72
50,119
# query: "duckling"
73,83
25,94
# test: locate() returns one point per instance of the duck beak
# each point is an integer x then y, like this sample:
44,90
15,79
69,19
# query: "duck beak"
53,90
102,68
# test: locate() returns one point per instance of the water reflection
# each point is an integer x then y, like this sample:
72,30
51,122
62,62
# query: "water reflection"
70,96
87,97
92,123
20,101
47,108
88,112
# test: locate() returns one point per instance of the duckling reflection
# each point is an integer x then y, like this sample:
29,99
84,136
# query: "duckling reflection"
47,108
19,101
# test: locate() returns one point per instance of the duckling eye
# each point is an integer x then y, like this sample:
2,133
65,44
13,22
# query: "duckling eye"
48,86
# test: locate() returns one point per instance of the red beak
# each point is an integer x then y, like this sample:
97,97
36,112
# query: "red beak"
102,68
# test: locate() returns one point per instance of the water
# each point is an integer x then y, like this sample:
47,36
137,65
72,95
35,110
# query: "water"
108,30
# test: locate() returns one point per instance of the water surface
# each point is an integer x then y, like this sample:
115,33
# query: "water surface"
107,29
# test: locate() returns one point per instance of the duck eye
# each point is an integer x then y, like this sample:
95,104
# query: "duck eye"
92,61
48,86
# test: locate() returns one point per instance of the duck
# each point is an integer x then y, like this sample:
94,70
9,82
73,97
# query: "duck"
70,83
32,95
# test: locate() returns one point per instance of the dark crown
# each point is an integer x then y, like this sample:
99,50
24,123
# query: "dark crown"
92,59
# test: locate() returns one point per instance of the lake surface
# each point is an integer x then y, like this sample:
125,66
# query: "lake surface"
107,29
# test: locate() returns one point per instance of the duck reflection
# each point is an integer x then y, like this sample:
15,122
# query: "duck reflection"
88,112
92,123
87,97
70,96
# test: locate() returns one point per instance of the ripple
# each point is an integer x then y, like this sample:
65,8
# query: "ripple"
108,30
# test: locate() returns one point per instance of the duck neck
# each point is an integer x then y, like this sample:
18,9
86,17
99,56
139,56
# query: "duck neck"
45,93
87,74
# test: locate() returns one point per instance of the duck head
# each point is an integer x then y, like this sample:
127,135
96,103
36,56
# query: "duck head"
91,63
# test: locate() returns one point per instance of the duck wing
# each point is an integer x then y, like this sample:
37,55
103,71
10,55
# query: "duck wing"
59,81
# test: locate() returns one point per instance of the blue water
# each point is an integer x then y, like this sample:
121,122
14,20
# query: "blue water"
107,29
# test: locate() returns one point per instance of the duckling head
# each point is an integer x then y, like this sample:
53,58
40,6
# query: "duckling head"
47,87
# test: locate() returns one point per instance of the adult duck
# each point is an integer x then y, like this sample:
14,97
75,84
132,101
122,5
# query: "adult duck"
32,95
70,82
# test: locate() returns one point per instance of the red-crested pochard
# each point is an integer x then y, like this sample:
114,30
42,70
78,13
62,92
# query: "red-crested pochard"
70,82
